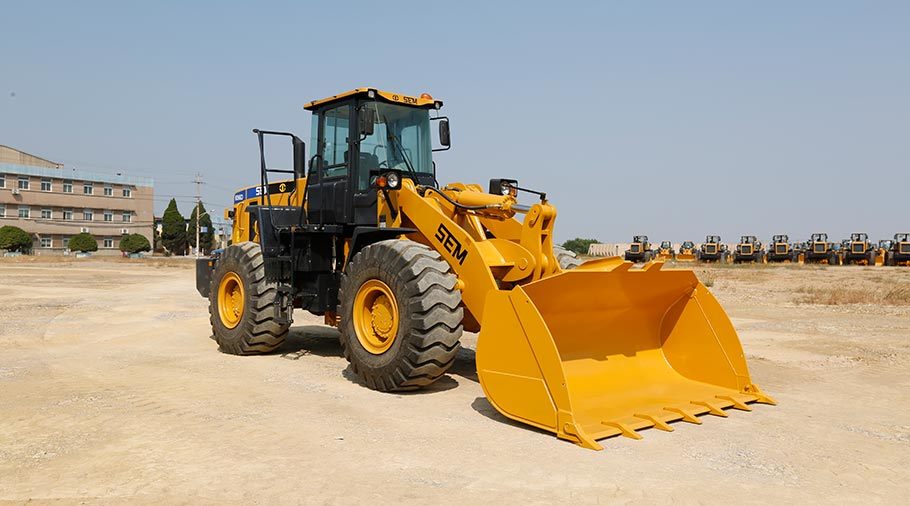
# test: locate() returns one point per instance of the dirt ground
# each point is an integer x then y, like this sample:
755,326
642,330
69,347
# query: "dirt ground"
112,392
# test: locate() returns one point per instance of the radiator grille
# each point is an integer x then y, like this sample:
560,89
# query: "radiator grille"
819,248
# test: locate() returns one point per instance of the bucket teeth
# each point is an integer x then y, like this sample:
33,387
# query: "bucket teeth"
658,423
714,409
624,429
687,414
737,404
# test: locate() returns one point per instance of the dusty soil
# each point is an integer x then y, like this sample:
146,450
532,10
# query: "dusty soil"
111,391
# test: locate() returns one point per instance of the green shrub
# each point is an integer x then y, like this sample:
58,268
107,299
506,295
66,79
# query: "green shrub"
134,243
15,239
579,245
83,242
173,234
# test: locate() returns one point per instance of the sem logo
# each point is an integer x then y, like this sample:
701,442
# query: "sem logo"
282,187
451,244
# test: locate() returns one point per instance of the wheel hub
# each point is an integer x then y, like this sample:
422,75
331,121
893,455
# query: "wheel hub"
375,316
230,299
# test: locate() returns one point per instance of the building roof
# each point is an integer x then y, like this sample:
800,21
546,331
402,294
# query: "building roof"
75,175
16,156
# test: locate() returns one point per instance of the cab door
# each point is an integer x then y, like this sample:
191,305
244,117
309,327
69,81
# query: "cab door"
328,197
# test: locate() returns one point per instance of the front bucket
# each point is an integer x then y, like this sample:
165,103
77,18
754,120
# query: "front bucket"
603,350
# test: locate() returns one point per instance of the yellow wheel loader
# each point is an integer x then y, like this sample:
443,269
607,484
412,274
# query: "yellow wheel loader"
818,250
365,235
665,252
687,252
858,250
899,253
780,250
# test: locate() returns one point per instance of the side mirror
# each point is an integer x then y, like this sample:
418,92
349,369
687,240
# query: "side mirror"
444,138
367,121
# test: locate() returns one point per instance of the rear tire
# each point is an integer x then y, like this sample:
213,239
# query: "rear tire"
252,329
427,307
567,259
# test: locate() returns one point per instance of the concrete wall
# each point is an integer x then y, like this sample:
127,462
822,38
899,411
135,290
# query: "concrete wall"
618,248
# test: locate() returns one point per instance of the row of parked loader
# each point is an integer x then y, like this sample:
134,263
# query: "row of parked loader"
857,250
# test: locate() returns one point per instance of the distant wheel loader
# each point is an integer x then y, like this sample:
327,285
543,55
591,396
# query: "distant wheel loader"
639,250
749,249
363,233
687,252
712,250
899,254
881,253
780,250
665,252
819,251
858,250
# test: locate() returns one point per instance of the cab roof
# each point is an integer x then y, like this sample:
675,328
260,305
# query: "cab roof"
423,101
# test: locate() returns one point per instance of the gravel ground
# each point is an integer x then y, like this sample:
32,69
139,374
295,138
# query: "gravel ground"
112,392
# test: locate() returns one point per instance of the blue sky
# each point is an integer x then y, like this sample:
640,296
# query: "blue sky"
672,119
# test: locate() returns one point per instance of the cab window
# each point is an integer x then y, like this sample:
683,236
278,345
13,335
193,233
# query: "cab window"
335,148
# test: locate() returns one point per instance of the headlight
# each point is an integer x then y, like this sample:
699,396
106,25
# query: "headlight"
393,179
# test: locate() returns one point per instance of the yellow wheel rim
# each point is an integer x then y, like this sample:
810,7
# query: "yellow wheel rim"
230,299
375,316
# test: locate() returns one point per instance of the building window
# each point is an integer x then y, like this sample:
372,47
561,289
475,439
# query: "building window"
127,217
66,243
67,214
23,182
108,216
45,185
127,192
108,242
108,191
2,210
88,189
25,212
46,214
2,180
67,186
47,242
88,214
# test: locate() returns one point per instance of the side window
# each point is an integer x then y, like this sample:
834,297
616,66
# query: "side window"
334,151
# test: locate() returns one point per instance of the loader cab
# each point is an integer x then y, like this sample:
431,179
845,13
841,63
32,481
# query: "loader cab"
357,135
687,245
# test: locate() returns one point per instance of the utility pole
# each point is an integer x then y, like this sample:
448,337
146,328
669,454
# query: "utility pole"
198,182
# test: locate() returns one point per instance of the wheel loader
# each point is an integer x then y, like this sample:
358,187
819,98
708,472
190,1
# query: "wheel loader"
639,250
665,252
712,250
780,250
899,253
362,233
858,250
881,253
749,249
687,252
819,251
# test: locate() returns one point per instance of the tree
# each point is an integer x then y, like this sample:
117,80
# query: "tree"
134,243
579,245
205,237
173,229
15,239
83,242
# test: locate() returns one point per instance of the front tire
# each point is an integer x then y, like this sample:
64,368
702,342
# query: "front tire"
400,315
241,303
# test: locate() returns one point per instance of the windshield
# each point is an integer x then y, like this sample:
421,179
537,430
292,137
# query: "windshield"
400,139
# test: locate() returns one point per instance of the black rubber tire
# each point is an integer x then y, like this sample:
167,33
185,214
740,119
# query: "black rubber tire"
429,308
568,259
257,331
